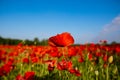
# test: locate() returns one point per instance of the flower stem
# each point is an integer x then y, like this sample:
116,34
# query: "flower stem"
96,77
107,72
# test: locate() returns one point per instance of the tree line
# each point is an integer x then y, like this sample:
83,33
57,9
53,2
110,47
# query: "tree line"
36,41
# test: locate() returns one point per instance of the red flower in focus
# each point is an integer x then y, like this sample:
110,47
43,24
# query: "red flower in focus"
64,39
74,71
29,75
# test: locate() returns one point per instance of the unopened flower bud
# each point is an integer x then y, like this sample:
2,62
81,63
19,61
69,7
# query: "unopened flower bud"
91,68
76,68
21,64
96,73
110,59
32,65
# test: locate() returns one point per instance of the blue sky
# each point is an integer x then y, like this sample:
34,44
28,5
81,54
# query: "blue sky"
86,20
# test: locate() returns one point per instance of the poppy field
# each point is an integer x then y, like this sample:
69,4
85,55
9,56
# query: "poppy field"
60,60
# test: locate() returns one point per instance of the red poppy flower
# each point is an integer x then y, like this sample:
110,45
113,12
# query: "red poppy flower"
74,71
50,68
6,68
2,55
34,59
1,72
98,54
20,44
64,39
25,60
117,49
81,59
64,65
53,52
29,75
72,51
90,56
105,57
51,64
19,77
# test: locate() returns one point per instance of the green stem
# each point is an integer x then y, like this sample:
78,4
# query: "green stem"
96,77
21,70
86,67
107,73
67,75
4,77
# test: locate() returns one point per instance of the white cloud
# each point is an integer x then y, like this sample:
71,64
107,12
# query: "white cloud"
113,26
111,31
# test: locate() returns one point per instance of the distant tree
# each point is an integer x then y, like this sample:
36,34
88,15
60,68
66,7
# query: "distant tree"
44,42
1,40
113,43
9,41
36,41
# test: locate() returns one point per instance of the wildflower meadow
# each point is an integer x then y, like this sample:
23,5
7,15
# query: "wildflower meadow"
60,60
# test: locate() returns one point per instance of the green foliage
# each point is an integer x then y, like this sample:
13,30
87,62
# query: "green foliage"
36,41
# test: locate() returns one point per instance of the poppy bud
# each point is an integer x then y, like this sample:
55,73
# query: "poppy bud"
110,59
96,73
